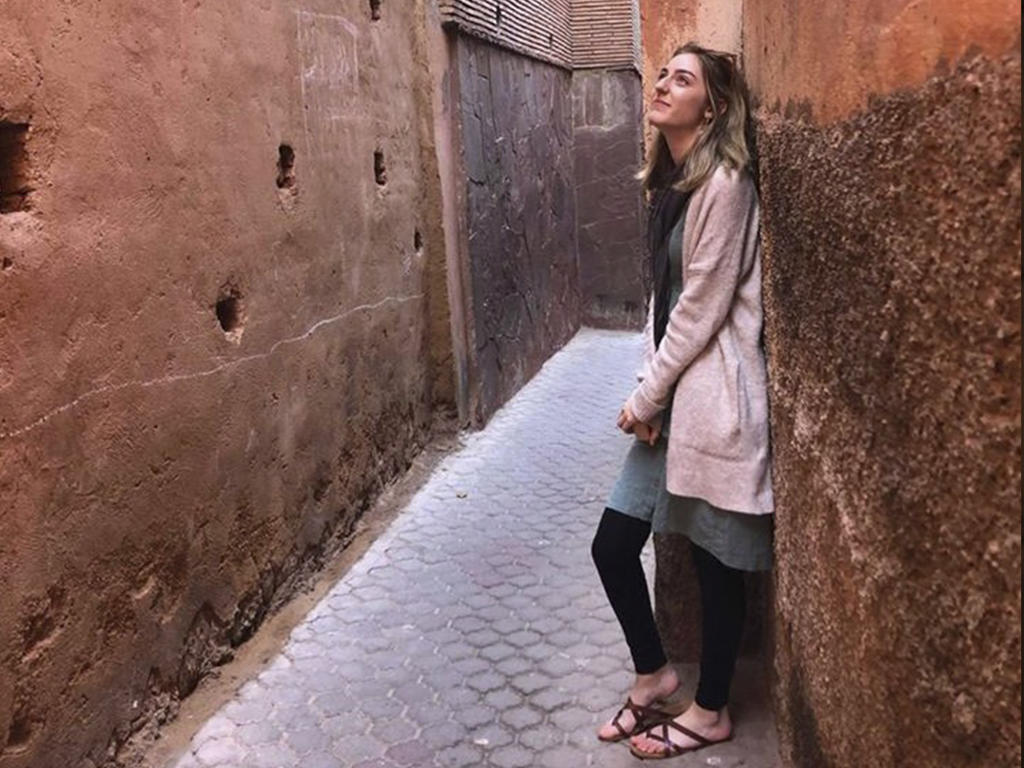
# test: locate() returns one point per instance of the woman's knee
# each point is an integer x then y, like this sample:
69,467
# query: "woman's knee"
603,549
618,539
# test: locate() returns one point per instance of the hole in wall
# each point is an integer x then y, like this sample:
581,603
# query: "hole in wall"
380,172
21,730
417,241
551,39
14,187
229,312
375,10
285,167
7,263
497,14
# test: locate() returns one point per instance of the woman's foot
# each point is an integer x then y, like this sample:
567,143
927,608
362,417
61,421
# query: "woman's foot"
646,690
713,726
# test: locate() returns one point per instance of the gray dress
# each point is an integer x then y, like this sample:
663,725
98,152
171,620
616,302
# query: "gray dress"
738,539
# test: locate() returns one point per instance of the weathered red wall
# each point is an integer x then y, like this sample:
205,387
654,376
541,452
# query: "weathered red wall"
890,182
162,479
831,58
889,145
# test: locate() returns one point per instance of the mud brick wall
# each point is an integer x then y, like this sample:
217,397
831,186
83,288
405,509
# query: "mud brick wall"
890,181
889,143
519,208
222,329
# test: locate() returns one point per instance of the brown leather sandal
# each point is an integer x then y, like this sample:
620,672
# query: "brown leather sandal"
643,718
671,749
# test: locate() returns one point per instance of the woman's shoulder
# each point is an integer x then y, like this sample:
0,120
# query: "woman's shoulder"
730,180
734,185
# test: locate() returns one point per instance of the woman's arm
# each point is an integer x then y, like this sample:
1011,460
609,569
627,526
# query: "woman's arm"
712,275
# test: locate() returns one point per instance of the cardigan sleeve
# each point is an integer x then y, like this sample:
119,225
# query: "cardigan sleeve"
711,278
648,341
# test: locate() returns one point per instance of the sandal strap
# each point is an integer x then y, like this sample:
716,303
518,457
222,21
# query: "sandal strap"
642,717
649,714
671,749
618,727
702,740
632,707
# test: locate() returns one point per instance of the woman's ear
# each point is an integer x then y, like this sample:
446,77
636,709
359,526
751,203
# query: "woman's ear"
709,114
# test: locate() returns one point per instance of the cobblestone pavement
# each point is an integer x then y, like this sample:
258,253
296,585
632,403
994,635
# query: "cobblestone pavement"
474,632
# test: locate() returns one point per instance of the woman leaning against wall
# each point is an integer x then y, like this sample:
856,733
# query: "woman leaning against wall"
700,465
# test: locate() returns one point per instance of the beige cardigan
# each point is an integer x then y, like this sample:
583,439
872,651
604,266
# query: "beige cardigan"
718,444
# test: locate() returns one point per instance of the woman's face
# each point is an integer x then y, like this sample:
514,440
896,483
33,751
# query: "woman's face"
680,98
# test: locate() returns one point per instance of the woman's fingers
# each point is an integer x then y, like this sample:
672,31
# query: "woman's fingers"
647,432
624,422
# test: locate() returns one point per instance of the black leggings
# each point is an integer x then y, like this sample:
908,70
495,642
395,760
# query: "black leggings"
616,551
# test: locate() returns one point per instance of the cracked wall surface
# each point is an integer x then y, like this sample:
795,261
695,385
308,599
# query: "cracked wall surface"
515,118
890,182
222,330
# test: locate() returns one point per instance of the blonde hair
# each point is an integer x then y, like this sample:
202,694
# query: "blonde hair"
726,137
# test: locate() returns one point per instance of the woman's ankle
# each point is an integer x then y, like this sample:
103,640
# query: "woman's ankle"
662,681
707,715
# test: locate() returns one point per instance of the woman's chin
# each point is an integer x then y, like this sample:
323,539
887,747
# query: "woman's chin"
655,118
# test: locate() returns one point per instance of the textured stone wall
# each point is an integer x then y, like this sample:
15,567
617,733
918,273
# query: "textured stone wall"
890,173
607,126
890,184
221,296
520,216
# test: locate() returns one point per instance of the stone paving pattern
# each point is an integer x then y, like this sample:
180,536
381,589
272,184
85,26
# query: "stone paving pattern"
474,632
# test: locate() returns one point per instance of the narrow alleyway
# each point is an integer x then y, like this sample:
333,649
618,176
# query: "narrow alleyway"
474,632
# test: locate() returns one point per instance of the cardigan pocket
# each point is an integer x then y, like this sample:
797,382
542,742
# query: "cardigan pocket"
712,408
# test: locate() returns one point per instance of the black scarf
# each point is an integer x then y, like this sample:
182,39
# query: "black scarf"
667,205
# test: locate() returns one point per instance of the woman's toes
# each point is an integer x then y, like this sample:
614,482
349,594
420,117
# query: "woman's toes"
646,744
609,731
641,740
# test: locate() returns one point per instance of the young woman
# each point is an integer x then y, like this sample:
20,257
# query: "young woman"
700,465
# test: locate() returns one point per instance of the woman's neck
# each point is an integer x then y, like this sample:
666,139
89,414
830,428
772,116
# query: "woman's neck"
680,141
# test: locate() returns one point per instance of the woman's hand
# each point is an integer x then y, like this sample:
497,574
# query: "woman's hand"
646,433
626,421
628,424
